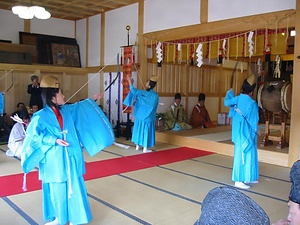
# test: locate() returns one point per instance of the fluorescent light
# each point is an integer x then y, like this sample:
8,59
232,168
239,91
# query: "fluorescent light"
36,9
18,9
26,15
25,12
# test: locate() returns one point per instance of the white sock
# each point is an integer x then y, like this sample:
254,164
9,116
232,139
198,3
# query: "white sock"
146,150
137,147
54,222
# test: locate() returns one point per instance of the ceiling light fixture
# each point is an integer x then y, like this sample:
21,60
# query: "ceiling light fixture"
25,12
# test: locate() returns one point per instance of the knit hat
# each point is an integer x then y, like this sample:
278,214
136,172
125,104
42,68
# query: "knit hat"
49,82
295,179
227,205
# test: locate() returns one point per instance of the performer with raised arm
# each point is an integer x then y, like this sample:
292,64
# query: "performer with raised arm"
55,140
244,113
145,106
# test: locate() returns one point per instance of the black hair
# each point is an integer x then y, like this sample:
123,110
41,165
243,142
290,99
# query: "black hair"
24,114
47,96
177,96
201,97
20,104
33,77
152,84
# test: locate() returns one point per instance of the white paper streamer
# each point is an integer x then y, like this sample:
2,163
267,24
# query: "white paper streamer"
250,43
224,45
277,68
179,47
242,67
159,52
259,70
199,55
179,53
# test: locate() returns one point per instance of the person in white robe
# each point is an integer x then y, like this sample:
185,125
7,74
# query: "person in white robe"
17,136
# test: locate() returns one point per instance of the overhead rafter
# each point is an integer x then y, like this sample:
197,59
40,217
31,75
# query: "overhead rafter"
71,9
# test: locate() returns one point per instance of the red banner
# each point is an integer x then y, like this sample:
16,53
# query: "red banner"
128,61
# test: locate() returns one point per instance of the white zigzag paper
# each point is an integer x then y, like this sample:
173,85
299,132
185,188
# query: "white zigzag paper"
159,52
250,42
199,55
224,45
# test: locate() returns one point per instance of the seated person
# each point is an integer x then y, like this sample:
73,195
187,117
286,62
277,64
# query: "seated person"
35,108
4,129
17,134
20,107
200,117
175,117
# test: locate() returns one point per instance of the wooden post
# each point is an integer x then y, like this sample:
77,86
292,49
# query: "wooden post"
294,145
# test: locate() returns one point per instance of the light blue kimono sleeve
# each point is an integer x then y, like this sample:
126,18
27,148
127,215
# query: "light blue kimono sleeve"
93,128
131,96
1,102
230,101
249,128
129,100
35,145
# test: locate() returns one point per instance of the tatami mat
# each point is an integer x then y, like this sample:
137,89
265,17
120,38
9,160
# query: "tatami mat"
162,195
221,136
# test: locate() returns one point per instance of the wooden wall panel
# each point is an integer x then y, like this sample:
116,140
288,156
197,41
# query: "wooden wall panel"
213,80
70,83
204,79
171,78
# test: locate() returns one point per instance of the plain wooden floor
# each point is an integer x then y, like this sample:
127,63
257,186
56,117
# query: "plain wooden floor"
170,194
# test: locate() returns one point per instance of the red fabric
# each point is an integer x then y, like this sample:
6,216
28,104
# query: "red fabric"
12,184
59,117
127,71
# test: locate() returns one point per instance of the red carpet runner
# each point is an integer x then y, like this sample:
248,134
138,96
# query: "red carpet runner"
12,184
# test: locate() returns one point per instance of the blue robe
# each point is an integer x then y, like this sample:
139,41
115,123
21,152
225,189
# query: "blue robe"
61,169
1,103
145,106
244,136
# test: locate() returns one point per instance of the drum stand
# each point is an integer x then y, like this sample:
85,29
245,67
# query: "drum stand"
268,139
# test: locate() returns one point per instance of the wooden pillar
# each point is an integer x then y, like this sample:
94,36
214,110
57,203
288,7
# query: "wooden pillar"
142,54
87,43
186,82
102,52
27,26
203,11
294,146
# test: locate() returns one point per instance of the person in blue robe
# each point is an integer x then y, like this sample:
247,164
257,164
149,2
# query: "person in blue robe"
245,117
55,140
5,130
145,105
2,102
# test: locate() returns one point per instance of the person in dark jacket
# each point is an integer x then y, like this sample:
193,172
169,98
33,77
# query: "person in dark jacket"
35,91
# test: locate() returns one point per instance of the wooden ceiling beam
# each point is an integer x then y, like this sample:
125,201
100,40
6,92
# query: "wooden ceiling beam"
71,9
235,25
